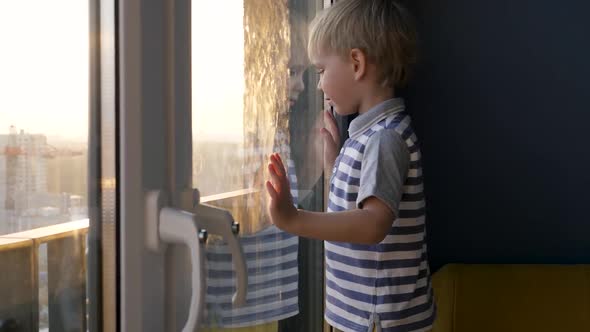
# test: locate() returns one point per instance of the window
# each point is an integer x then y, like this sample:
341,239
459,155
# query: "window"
253,95
44,115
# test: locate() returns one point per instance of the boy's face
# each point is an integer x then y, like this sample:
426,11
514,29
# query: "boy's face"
296,85
337,82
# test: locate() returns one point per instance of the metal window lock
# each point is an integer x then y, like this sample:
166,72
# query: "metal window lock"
191,226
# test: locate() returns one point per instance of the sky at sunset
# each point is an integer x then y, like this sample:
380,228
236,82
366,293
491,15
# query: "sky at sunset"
44,68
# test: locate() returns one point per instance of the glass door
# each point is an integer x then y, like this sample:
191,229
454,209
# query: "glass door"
206,92
114,111
252,94
57,165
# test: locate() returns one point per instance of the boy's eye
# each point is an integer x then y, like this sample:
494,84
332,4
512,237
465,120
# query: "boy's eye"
292,72
320,71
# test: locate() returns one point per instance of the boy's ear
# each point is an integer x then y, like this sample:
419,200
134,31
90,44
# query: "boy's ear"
359,63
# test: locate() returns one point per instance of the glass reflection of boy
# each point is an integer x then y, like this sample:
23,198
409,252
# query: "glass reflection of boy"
271,254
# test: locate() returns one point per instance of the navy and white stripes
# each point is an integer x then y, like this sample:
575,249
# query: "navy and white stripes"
271,260
387,285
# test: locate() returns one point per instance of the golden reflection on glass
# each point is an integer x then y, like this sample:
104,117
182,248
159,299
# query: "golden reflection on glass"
240,101
248,67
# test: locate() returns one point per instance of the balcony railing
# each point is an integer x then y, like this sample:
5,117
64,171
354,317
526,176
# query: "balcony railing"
66,277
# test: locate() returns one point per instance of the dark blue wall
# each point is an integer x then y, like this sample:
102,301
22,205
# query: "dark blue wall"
501,104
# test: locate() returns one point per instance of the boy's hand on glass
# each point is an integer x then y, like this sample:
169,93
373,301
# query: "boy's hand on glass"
280,209
331,140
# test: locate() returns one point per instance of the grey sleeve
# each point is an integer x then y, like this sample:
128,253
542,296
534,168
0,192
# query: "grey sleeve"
384,168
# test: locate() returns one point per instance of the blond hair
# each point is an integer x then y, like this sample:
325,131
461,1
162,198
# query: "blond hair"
382,29
298,37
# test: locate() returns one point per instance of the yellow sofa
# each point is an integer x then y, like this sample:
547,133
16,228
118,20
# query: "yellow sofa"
506,298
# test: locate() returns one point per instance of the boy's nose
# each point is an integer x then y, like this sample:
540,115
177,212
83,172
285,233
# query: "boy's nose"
299,84
319,87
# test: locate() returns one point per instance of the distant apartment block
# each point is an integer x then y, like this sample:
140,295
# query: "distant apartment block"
39,184
24,168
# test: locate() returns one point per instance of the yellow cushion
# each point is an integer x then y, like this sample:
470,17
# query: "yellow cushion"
268,327
481,298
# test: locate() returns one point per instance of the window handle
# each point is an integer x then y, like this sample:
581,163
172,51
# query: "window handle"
178,226
220,222
190,226
171,225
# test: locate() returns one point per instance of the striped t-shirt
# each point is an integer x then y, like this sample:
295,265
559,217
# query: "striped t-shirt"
271,262
387,285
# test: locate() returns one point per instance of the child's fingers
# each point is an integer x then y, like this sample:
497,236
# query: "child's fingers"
327,136
271,191
280,163
278,174
277,164
331,125
275,177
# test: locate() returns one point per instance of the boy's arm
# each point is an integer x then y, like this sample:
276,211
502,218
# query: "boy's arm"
368,225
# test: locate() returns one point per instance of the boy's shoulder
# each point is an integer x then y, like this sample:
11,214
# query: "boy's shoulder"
389,137
386,141
386,115
391,128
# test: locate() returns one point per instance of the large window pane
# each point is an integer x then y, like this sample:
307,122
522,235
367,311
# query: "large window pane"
253,95
43,113
44,76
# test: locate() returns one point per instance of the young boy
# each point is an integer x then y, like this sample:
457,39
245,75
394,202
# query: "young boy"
377,275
